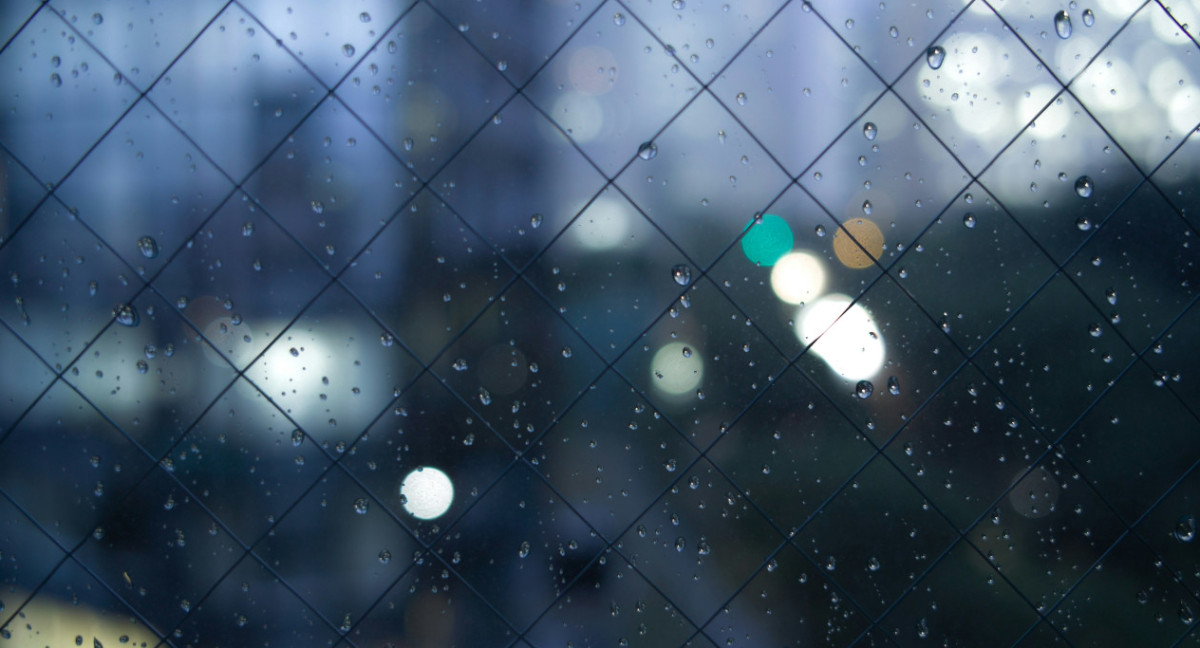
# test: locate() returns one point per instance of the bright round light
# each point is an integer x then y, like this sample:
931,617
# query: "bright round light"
580,115
850,342
603,226
676,368
798,278
427,493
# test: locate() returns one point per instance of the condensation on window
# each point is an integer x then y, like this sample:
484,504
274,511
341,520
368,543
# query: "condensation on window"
599,323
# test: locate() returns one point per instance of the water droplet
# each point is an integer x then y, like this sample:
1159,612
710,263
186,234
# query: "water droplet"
820,231
1083,224
97,19
523,550
318,207
1185,528
870,131
364,17
830,563
893,32
969,220
297,437
148,247
873,564
647,150
680,543
1111,295
677,5
687,352
1084,187
1185,614
893,386
863,389
348,50
535,221
935,56
385,557
618,19
361,506
1094,330
1062,24
56,80
741,98
1089,18
867,209
408,143
126,315
682,274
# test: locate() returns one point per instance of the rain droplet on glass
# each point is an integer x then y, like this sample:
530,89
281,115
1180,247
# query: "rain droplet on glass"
864,389
647,150
969,220
1084,187
1062,24
741,98
126,315
893,385
682,274
1089,18
935,56
348,50
148,247
870,131
1185,528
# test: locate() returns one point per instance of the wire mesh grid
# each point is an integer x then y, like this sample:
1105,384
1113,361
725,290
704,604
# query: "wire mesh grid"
700,550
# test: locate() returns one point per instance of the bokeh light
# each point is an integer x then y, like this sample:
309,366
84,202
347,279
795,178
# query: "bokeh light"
676,368
767,240
798,278
858,243
603,226
427,492
850,341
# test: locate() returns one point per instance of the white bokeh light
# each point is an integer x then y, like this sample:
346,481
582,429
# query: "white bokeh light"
605,225
427,492
798,277
676,369
850,341
1052,122
579,114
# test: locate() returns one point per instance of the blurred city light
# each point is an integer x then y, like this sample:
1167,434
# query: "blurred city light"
427,493
850,341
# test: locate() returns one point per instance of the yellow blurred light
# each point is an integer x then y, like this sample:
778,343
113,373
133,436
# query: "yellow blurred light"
798,277
860,254
676,369
46,621
849,340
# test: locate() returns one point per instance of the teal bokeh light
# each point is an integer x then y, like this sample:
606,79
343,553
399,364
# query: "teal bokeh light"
767,240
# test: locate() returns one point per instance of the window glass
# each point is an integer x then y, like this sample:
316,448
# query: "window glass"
599,323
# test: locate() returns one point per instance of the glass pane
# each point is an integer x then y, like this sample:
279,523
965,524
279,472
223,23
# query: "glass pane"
599,322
